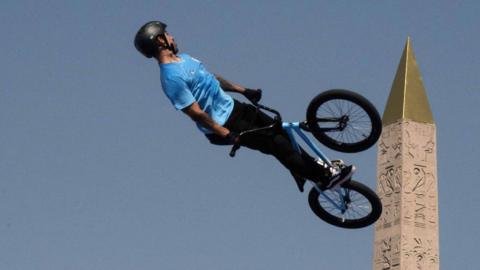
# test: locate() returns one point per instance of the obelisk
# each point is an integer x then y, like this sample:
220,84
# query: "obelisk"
406,235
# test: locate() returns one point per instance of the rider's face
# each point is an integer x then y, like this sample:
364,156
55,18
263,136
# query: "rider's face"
171,41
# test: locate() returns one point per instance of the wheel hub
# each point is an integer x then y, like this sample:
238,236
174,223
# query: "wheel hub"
343,122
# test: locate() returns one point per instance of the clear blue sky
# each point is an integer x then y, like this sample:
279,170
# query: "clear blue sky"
98,171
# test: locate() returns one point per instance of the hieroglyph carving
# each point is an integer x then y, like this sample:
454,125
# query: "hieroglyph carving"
390,143
419,141
387,253
420,252
389,190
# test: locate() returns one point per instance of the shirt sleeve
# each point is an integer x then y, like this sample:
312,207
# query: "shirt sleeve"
178,92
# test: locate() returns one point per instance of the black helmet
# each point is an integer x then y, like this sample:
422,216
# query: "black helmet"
145,39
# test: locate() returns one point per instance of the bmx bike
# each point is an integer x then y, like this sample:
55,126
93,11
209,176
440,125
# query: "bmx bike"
346,122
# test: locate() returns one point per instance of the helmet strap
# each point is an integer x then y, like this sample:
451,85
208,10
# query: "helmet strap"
168,45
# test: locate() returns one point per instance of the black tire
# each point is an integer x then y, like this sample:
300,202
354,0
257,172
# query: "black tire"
354,124
364,202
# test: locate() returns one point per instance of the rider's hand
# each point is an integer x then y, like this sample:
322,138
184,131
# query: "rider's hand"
254,95
232,137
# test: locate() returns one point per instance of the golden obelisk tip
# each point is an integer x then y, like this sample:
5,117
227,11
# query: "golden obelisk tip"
408,99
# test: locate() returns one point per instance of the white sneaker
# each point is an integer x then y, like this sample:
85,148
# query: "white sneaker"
340,178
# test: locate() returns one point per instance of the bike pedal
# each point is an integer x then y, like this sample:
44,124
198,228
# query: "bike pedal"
338,162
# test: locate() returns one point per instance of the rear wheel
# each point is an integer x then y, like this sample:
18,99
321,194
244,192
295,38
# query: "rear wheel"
352,206
344,121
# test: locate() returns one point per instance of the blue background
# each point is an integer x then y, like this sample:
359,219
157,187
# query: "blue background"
98,171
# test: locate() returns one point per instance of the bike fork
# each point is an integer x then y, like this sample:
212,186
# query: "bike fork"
339,204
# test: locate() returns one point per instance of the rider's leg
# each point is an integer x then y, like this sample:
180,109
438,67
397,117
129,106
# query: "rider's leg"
301,162
304,165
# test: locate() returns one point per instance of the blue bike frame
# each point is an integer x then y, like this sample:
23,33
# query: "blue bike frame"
290,128
295,127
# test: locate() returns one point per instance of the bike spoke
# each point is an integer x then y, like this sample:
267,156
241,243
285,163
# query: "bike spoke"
359,125
357,208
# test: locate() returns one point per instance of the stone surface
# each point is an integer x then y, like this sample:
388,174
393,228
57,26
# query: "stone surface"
406,235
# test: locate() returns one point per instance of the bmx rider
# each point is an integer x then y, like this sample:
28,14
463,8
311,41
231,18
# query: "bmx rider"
202,96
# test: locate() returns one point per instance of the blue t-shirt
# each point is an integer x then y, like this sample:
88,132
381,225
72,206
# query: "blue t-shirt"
187,81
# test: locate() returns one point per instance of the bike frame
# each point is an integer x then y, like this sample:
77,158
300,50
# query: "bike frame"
295,127
291,127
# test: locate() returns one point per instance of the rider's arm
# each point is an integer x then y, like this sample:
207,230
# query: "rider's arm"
229,86
198,115
254,95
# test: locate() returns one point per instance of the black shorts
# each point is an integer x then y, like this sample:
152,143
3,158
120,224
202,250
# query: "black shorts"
244,117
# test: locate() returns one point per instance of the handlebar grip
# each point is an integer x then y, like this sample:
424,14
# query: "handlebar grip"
235,147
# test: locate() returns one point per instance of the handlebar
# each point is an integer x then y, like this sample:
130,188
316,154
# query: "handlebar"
235,147
263,107
277,120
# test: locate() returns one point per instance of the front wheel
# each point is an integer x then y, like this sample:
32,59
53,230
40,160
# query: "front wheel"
344,121
351,206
